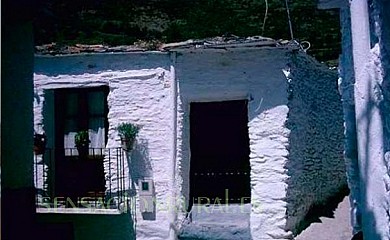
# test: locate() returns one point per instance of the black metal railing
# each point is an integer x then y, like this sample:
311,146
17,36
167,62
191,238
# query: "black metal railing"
66,179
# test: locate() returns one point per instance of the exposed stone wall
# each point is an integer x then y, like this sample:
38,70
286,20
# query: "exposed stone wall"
316,167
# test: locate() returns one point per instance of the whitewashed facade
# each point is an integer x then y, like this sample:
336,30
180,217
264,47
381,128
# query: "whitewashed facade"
295,130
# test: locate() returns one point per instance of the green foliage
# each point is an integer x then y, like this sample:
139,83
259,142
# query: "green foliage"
117,22
81,138
127,130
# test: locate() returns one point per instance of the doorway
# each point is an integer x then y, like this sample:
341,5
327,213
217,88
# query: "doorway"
219,142
80,109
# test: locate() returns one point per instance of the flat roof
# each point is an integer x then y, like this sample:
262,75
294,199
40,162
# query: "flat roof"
224,42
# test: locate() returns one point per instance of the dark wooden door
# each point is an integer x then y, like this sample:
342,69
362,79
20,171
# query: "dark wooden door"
219,171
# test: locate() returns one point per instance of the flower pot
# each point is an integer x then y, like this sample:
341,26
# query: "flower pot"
38,150
127,144
83,151
39,143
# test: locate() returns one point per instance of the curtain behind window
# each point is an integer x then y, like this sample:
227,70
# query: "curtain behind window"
70,122
75,112
96,119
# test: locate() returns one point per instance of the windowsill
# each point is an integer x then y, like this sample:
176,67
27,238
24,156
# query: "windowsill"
44,210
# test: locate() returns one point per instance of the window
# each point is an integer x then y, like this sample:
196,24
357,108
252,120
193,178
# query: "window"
84,109
79,175
65,177
145,186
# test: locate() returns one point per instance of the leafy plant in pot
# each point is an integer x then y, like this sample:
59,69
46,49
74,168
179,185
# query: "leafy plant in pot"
81,140
127,132
39,143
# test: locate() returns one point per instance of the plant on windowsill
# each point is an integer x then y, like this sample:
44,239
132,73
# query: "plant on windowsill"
127,132
39,143
81,140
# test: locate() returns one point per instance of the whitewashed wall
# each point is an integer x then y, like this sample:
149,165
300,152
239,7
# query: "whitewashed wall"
255,75
141,92
366,38
383,32
139,87
346,87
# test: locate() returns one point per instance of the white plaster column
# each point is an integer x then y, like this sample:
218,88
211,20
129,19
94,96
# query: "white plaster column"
173,208
369,127
346,86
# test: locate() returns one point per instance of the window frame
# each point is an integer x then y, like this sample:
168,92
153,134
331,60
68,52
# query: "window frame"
82,117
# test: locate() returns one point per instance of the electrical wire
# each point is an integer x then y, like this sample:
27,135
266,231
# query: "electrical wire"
308,45
265,17
289,20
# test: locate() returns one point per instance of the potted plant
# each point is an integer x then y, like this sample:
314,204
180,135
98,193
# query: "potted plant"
39,143
81,140
127,132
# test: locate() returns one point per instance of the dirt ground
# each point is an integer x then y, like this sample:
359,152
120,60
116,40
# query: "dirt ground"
330,228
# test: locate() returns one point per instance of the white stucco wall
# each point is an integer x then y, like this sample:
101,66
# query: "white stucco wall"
346,88
137,94
255,75
295,129
382,19
287,177
371,68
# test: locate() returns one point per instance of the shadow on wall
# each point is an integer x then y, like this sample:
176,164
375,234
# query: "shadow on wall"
95,63
385,58
316,167
59,231
326,209
140,168
85,226
378,94
369,217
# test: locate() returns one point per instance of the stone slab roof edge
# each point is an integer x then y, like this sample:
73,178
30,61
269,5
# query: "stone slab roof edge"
105,53
224,42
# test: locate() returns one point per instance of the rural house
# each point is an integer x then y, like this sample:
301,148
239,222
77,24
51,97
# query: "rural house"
238,139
